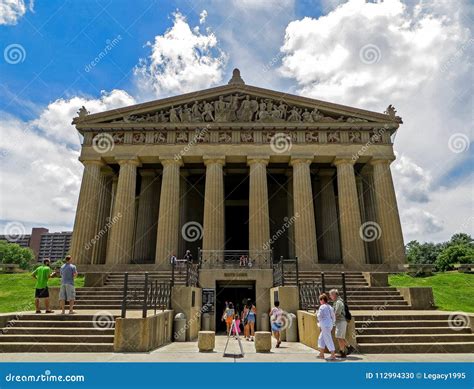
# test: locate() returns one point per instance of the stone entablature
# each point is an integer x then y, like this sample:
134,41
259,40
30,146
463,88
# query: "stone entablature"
263,136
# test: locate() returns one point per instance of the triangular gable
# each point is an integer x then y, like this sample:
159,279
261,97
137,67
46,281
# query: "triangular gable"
235,103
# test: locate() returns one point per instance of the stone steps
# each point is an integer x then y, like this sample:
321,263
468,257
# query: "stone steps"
37,347
58,333
413,330
417,348
398,324
414,338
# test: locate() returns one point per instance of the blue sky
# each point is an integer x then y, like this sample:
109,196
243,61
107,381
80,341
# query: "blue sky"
422,64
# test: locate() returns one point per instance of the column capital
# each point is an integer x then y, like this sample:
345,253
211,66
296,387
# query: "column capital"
262,159
343,160
128,160
381,160
168,161
92,161
214,159
301,160
326,172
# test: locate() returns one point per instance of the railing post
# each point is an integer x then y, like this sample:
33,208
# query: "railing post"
145,297
187,273
297,273
124,297
282,270
323,283
173,264
343,275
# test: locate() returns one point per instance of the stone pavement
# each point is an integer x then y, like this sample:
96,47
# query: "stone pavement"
188,352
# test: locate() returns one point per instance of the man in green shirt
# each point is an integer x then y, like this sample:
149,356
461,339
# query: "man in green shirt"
42,275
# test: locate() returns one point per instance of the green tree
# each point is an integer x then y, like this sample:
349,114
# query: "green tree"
460,238
14,253
455,253
423,253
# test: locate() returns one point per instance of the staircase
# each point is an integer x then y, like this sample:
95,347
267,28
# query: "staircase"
59,333
411,333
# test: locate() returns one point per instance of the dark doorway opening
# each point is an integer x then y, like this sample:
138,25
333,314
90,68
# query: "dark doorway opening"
232,291
236,188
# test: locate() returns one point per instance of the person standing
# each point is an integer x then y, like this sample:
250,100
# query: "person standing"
326,320
42,274
228,316
67,292
188,257
276,314
341,323
250,317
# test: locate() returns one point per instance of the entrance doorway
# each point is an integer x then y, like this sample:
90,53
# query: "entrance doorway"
236,189
236,292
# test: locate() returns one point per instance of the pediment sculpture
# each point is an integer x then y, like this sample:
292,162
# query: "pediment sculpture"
235,107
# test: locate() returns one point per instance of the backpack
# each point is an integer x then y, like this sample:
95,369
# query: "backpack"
347,313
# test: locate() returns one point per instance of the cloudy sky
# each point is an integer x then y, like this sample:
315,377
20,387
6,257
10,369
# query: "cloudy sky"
60,55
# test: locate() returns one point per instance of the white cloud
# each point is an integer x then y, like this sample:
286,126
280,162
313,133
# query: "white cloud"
12,10
202,17
371,54
181,60
55,120
40,175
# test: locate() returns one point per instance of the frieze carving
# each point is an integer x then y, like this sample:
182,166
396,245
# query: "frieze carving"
119,138
354,136
235,108
159,137
334,137
246,137
225,137
138,137
311,137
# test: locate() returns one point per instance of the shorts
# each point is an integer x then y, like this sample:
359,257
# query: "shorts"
42,293
67,292
251,319
341,327
276,327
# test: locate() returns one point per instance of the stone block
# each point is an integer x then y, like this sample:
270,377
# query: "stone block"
263,341
418,297
206,341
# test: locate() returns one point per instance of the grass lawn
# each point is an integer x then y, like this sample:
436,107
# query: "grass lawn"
452,291
17,291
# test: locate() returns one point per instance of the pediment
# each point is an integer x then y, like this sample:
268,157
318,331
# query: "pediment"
233,104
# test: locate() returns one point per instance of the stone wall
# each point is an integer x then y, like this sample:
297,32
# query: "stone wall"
143,334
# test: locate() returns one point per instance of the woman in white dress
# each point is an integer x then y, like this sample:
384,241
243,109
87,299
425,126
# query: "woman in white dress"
326,320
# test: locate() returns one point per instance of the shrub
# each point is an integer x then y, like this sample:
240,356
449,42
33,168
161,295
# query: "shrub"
457,253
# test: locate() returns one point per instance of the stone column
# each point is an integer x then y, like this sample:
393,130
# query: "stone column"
259,223
291,213
330,225
145,235
99,249
353,252
120,250
214,222
360,195
393,249
374,250
86,214
304,219
167,237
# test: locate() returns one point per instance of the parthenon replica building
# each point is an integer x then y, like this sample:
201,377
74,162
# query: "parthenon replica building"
237,168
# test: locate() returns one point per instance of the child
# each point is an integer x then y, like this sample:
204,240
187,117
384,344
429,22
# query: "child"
236,329
275,317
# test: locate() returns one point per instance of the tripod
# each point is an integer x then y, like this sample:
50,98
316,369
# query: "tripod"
234,327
